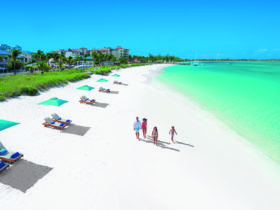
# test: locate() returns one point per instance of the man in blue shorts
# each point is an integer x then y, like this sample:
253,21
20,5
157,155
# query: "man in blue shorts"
137,127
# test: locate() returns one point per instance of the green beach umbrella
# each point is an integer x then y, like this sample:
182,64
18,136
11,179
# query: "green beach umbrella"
85,87
53,102
115,75
102,80
6,124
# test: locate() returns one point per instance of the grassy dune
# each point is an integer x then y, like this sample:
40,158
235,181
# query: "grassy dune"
31,84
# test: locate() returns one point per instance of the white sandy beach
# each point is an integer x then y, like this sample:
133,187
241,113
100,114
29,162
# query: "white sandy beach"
210,168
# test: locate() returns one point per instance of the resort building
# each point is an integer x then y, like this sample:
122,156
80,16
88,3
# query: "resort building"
5,47
60,51
26,56
83,50
17,47
72,52
102,50
4,57
120,52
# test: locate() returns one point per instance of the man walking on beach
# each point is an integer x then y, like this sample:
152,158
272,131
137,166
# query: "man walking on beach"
137,127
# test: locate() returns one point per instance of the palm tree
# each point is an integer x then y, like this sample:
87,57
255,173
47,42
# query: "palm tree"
69,59
14,54
56,56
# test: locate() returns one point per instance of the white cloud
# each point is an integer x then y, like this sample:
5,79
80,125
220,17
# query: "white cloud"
262,50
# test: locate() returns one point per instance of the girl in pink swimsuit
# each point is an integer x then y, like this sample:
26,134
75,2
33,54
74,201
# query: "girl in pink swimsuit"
144,127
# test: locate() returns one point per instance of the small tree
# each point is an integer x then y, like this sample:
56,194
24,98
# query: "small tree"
43,66
78,58
14,54
14,65
123,61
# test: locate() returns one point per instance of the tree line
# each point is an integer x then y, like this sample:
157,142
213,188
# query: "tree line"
41,60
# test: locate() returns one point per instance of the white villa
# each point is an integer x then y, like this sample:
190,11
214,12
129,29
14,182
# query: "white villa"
120,52
72,52
83,50
25,56
5,47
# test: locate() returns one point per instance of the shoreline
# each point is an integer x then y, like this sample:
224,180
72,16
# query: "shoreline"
225,120
211,167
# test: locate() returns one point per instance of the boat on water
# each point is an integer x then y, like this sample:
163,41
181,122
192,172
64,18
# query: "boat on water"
196,63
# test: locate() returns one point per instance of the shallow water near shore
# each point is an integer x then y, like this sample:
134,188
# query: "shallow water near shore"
244,95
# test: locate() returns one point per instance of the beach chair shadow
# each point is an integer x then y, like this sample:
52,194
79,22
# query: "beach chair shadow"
114,92
100,105
124,84
161,144
76,129
22,175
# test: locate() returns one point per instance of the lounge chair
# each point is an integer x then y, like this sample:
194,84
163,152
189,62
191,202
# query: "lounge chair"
87,100
3,166
50,123
57,118
101,89
8,156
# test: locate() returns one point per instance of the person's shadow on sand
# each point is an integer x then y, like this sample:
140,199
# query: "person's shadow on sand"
182,143
161,144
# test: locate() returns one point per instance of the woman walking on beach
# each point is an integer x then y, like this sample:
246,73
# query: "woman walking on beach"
172,132
144,127
155,135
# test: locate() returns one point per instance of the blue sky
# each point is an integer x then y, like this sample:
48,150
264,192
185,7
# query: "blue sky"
202,29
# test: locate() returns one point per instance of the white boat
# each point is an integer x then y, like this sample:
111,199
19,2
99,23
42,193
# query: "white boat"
196,63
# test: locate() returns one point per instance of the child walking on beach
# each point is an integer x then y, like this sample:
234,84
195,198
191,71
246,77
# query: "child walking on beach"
172,132
144,127
155,135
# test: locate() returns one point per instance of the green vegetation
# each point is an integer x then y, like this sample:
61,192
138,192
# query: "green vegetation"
107,69
13,60
31,84
154,58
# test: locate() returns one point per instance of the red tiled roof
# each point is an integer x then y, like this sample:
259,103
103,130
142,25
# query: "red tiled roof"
100,50
76,50
119,48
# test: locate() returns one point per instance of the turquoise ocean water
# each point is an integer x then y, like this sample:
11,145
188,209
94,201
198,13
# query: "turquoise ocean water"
244,95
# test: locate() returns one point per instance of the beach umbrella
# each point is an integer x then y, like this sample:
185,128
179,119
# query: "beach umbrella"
115,75
102,80
6,124
53,102
85,87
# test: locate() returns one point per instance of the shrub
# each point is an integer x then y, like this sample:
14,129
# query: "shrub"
30,91
2,98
